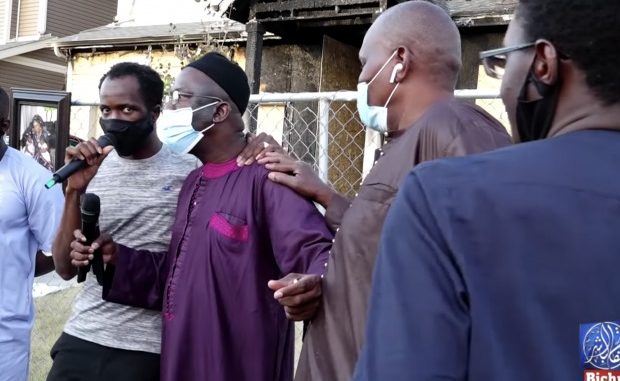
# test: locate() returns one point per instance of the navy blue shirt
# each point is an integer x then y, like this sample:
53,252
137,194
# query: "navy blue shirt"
490,263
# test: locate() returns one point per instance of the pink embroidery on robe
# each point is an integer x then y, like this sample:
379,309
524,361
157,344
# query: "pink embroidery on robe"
236,232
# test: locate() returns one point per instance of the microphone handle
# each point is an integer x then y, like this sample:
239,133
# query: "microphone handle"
82,271
98,268
90,229
68,169
73,166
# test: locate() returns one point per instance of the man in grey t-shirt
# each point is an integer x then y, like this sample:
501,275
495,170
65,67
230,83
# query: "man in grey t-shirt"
138,185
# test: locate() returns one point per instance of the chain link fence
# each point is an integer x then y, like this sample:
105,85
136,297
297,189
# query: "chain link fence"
322,129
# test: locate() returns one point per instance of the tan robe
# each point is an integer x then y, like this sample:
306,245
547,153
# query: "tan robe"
335,336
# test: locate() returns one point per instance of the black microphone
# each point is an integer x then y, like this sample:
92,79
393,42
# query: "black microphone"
75,165
89,209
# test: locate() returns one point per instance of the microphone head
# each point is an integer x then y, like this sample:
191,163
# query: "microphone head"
90,204
106,140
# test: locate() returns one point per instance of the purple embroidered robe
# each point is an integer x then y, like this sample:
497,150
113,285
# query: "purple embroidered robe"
234,231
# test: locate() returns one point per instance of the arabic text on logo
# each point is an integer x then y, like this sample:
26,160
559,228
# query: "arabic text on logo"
600,350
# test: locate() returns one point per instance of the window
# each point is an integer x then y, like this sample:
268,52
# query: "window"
28,19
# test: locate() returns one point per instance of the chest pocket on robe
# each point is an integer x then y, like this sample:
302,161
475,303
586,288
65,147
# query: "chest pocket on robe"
365,220
378,192
229,227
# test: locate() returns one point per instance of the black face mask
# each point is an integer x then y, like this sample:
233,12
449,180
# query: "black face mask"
127,137
534,118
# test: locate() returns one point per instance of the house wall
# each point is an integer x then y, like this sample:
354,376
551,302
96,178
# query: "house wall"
285,69
12,75
46,55
66,17
340,70
472,44
161,12
86,69
294,68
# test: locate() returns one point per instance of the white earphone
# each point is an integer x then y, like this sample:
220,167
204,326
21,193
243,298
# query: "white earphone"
396,70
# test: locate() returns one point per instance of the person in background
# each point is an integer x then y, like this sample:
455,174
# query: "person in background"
234,231
29,217
410,58
35,142
491,265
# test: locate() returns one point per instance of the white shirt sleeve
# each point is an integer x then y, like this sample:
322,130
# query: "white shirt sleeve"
44,207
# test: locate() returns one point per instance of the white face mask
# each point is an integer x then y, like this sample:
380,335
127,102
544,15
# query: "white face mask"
374,117
174,129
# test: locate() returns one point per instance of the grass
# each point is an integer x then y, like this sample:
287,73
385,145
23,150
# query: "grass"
52,311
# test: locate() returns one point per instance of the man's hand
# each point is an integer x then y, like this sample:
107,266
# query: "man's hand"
257,147
299,294
81,254
298,176
94,156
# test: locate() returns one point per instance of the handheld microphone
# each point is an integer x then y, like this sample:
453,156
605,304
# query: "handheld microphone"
74,165
89,210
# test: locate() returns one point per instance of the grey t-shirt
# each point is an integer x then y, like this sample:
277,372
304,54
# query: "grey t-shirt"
138,204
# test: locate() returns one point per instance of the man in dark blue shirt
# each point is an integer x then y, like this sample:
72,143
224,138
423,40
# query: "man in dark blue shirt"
491,264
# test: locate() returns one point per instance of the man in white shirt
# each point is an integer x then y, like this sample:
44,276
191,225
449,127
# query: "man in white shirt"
29,217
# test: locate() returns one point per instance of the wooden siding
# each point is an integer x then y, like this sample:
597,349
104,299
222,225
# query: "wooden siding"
477,8
12,75
46,55
67,17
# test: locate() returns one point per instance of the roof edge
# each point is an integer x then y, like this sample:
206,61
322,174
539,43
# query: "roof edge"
27,48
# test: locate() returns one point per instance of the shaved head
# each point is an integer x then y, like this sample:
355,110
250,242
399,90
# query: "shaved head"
424,29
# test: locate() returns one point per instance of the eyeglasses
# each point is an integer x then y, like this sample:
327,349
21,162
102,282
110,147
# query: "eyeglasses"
494,61
175,96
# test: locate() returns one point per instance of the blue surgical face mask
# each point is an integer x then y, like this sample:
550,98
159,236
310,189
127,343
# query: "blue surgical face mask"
174,129
374,117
